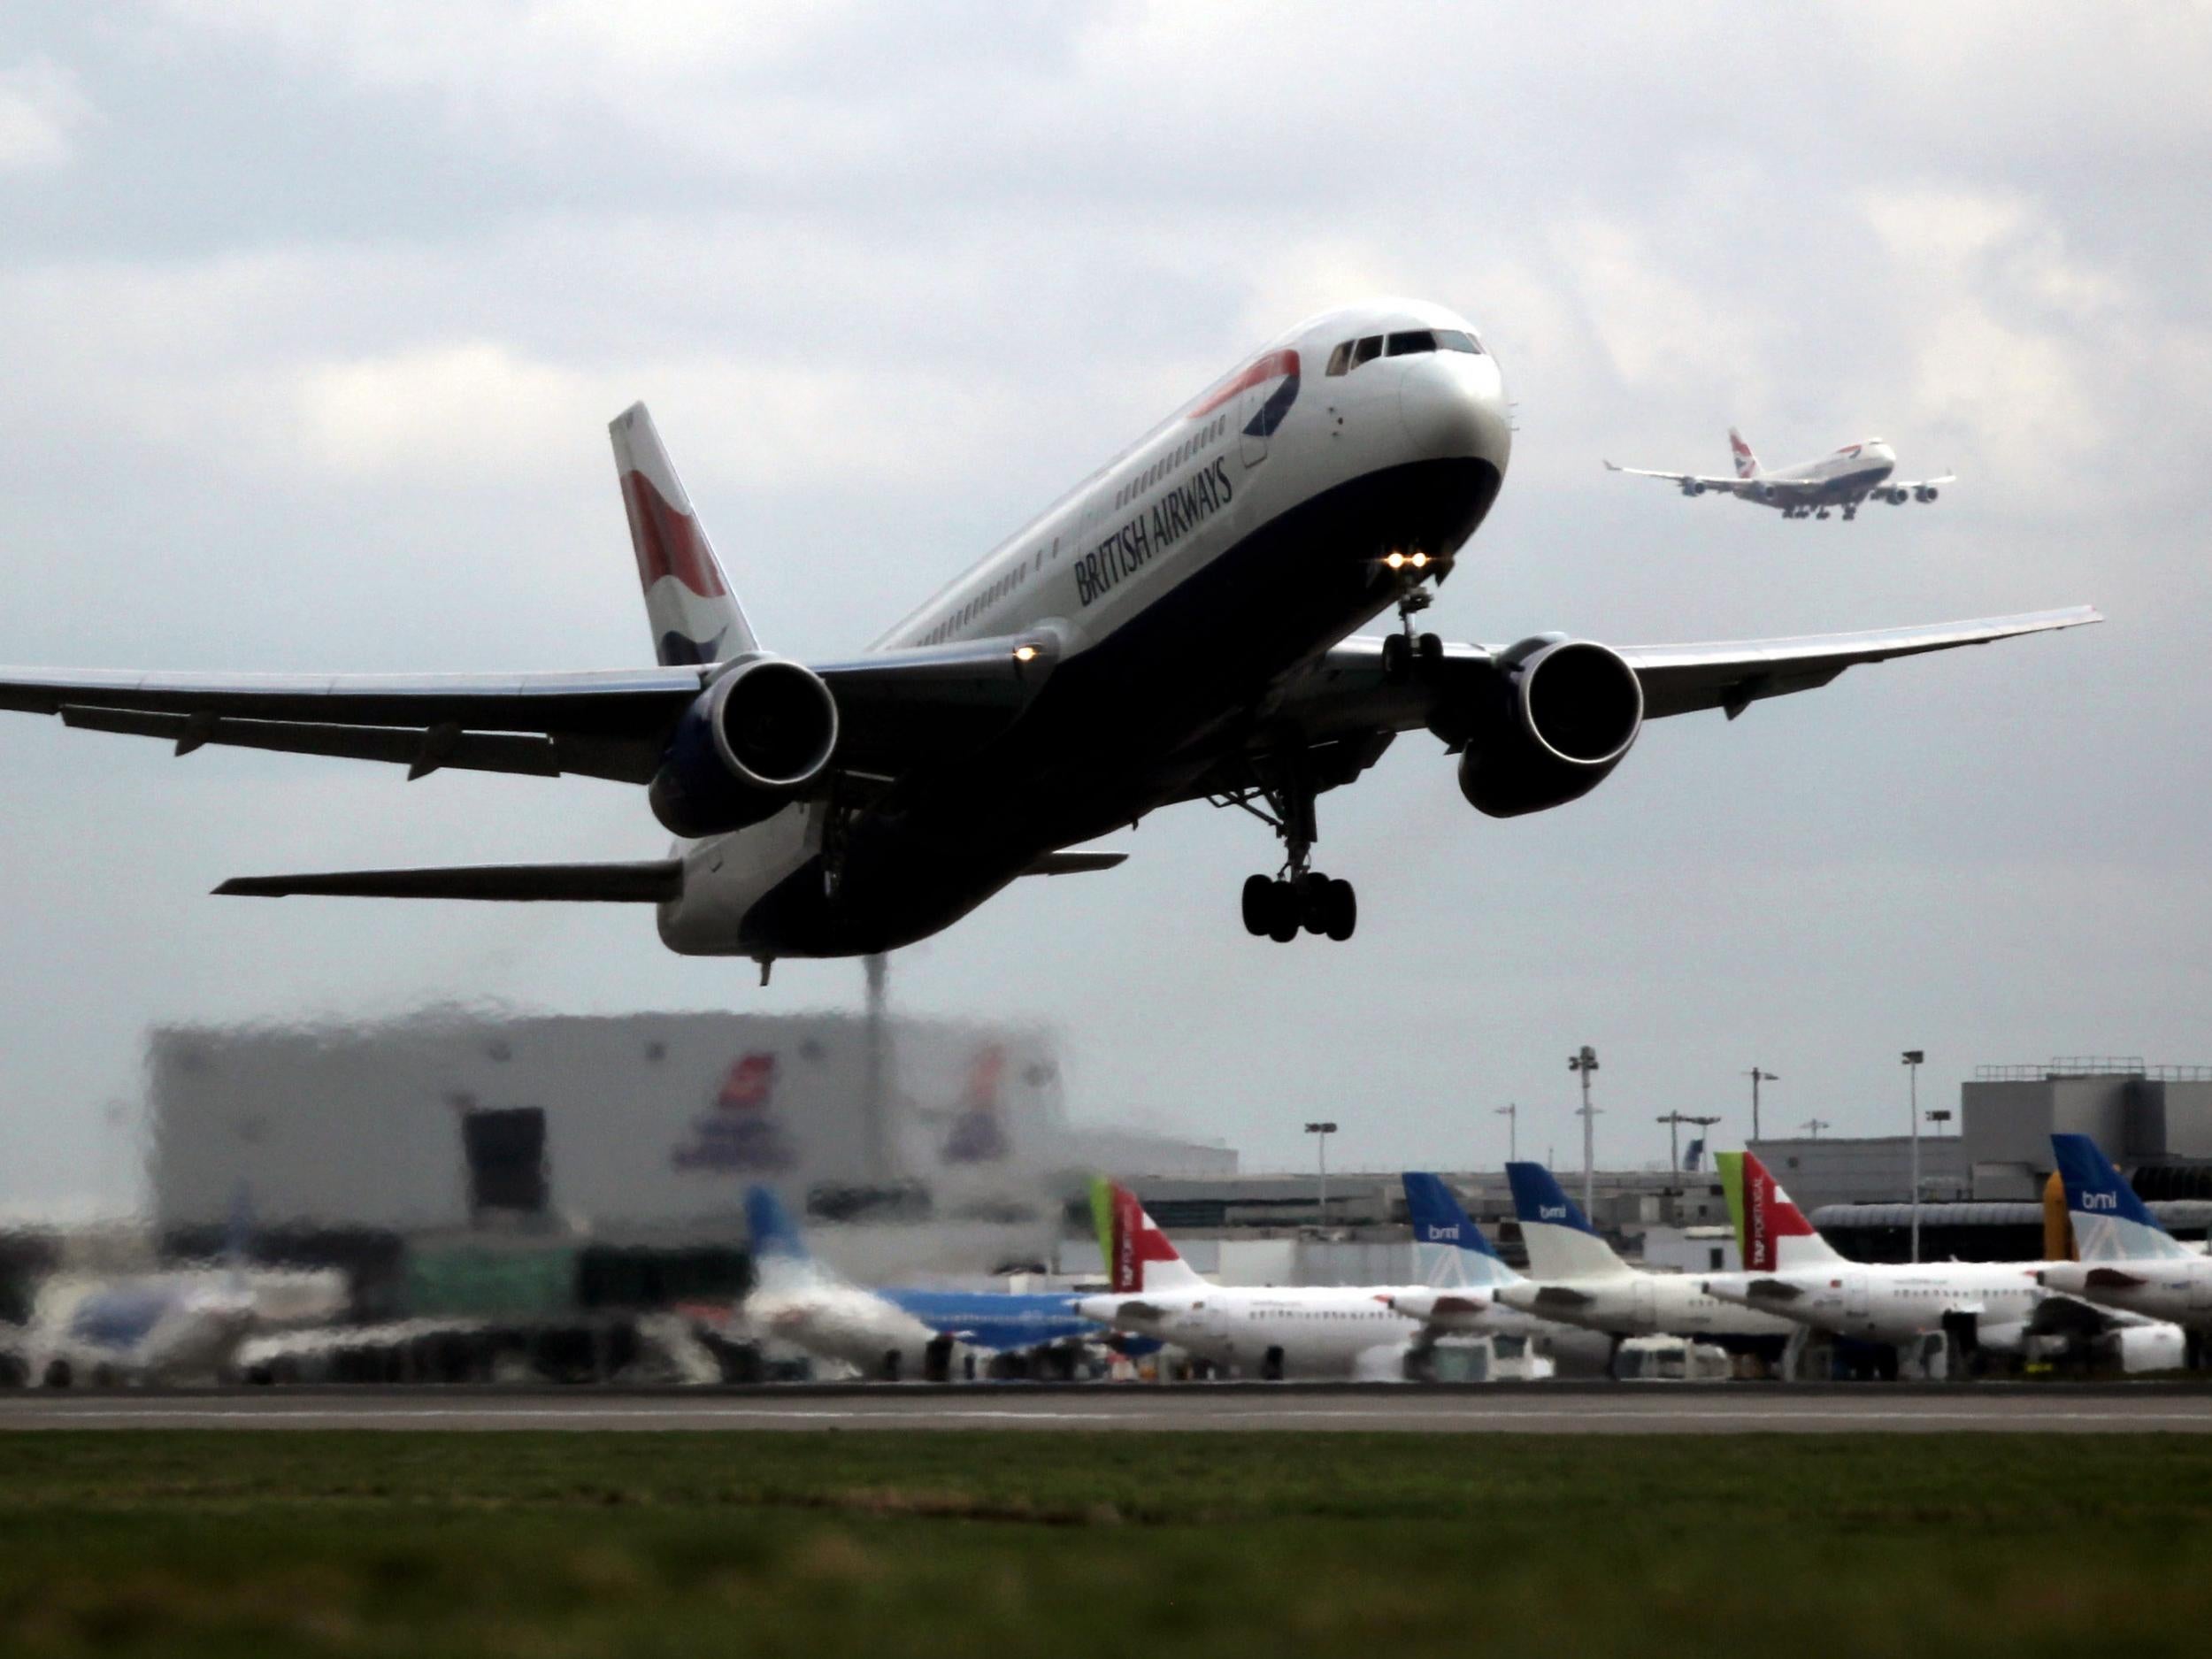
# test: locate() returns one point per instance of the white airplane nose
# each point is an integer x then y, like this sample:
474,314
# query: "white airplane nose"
1453,404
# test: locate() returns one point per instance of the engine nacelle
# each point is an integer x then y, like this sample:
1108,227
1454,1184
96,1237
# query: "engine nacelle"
1561,715
1894,497
747,746
1927,492
1691,487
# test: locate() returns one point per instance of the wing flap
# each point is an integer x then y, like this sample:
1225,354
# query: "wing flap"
1077,861
646,883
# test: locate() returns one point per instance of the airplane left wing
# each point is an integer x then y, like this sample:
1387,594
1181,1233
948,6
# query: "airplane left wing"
1699,483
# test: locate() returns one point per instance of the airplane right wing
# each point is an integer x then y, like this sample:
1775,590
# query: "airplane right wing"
895,708
1698,483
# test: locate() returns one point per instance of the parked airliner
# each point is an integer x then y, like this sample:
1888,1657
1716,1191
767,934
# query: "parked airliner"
1293,1331
889,1335
2129,1260
1176,627
1993,1305
1842,478
1579,1278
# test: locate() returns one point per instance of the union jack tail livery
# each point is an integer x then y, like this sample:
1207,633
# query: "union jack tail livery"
1747,463
695,618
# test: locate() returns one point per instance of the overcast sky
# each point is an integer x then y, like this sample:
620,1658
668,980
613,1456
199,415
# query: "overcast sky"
312,313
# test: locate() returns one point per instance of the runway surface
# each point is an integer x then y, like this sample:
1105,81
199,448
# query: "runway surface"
1550,1409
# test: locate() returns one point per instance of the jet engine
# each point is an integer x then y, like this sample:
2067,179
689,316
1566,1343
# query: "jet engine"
1550,725
747,746
1927,492
1691,487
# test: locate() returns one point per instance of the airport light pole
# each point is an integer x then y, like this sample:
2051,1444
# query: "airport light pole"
1321,1133
1912,1060
1512,1113
1939,1117
1582,1064
1758,1077
1674,1122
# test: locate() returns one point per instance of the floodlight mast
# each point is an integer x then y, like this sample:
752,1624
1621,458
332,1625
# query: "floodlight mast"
1321,1131
1583,1063
1912,1060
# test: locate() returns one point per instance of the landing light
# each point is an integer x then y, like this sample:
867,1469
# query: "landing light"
1419,560
1025,653
1396,561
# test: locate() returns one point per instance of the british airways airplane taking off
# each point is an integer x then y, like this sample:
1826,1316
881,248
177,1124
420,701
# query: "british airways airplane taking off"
1810,489
1178,627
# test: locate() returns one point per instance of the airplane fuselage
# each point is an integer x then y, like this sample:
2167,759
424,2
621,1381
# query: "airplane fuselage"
2176,1288
1844,478
1239,539
1897,1301
1292,1332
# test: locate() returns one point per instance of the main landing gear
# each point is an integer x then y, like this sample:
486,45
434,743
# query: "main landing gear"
1278,907
1298,897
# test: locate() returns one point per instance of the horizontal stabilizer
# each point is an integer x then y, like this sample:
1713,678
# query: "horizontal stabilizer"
647,883
1560,1296
2115,1279
1772,1290
1075,864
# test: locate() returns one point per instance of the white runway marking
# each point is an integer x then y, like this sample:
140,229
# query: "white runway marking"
1196,1409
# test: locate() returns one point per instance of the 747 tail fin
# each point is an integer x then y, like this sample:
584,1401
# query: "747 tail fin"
1747,463
694,615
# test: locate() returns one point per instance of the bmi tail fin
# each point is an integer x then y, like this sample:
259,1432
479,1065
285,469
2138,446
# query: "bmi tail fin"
694,615
2110,1223
1449,1248
1138,1255
1776,1236
1747,463
1562,1243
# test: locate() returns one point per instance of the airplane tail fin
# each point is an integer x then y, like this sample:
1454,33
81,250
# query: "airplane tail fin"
2110,1223
1139,1255
775,1236
1562,1243
1449,1248
1776,1236
696,617
1747,463
2058,1222
1730,1167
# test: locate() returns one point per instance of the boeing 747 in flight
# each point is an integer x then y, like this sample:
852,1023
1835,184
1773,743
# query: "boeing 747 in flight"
1809,489
1178,627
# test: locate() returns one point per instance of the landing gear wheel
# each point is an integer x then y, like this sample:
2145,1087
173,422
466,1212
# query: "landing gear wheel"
1340,911
1313,903
1823,513
1397,659
1259,905
1432,653
1282,922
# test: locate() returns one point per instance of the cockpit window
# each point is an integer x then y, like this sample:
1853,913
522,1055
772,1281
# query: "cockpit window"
1415,340
1367,349
1457,340
1340,359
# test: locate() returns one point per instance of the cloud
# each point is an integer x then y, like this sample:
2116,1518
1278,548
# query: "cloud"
41,110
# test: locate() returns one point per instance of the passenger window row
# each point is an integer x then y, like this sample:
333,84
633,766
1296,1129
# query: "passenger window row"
1351,353
1174,459
975,607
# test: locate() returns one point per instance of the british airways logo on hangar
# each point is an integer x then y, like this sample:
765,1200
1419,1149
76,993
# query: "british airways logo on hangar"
1281,365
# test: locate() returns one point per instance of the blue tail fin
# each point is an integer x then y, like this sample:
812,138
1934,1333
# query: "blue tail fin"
775,1236
1539,1198
2110,1222
1449,1248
